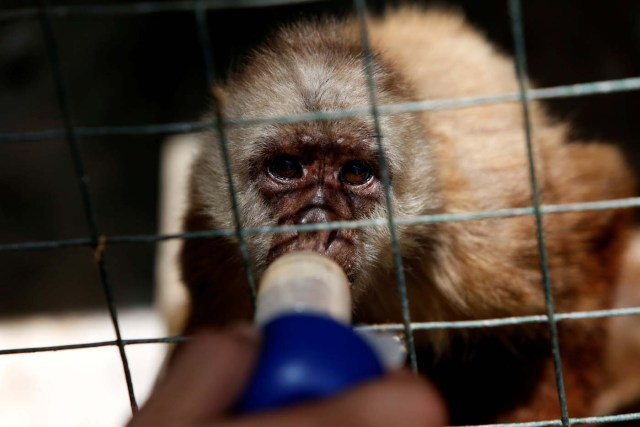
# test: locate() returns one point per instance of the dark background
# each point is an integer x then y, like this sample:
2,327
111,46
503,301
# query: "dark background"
143,69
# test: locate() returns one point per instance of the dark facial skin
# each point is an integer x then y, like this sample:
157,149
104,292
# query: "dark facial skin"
314,179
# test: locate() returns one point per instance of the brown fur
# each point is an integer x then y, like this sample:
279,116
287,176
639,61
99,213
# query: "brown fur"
449,161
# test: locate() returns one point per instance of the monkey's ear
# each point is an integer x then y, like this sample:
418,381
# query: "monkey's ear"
220,97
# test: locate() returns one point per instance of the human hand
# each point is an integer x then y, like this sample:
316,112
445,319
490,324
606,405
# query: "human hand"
211,371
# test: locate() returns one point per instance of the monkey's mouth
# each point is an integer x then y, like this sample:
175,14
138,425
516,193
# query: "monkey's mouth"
338,245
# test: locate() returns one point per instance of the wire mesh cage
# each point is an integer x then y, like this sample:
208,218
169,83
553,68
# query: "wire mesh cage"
98,242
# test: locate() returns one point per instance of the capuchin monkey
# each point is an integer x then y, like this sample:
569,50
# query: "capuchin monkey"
445,161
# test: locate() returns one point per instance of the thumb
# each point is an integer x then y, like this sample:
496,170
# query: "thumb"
206,378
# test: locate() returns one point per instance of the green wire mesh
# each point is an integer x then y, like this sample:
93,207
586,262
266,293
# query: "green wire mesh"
46,13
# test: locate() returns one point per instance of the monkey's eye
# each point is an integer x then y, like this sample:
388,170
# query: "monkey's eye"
285,167
355,172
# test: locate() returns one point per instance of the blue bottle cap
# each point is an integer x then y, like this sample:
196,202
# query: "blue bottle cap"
306,357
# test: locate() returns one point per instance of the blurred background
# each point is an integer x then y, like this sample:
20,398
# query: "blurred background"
147,69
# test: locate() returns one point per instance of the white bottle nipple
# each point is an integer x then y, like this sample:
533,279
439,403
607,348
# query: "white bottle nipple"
304,282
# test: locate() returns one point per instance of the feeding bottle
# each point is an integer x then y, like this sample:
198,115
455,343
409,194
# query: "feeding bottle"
309,349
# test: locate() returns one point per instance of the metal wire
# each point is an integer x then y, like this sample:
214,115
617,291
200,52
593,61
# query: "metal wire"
384,327
555,92
589,420
203,37
504,321
386,184
521,73
630,202
83,180
163,340
95,241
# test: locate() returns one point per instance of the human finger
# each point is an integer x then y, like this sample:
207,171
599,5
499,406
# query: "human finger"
399,400
205,379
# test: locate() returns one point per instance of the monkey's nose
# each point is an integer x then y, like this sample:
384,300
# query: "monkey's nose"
314,216
317,240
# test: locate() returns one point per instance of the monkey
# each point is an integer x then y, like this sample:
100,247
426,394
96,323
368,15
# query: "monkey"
444,161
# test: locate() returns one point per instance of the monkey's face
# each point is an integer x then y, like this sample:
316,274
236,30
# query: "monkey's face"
316,171
308,173
309,178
